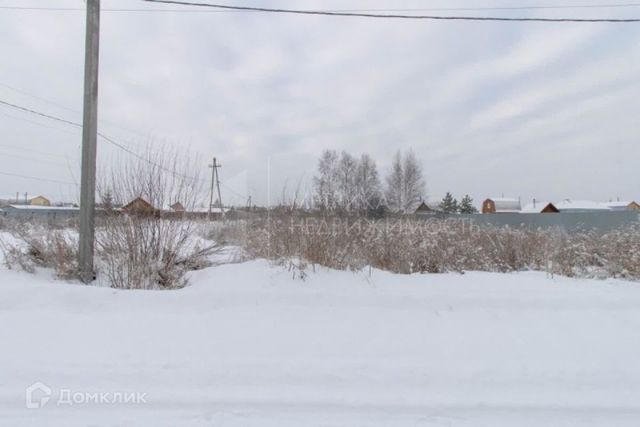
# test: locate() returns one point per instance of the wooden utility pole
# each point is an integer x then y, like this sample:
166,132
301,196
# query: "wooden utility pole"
89,139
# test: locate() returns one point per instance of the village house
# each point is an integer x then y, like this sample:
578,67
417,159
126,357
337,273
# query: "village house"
23,199
139,206
428,209
540,207
495,205
177,207
581,206
623,206
39,201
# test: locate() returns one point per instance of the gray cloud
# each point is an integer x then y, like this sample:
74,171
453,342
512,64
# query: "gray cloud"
531,110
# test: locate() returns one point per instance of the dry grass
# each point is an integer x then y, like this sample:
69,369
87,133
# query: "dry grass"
131,252
41,246
406,245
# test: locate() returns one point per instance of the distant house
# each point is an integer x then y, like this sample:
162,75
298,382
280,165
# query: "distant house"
177,207
41,212
139,206
39,201
578,206
427,208
623,206
501,205
540,207
14,199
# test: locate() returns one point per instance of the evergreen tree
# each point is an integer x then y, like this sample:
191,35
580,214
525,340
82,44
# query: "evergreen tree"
107,201
466,205
449,204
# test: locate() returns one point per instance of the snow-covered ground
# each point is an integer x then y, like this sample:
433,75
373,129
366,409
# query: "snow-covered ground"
245,345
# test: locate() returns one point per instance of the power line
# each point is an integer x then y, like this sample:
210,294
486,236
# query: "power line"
28,110
112,142
79,9
33,122
36,178
578,6
17,156
106,138
101,135
17,147
48,101
24,92
392,16
422,9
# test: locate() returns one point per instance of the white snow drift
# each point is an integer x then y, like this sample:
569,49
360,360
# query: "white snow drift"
247,345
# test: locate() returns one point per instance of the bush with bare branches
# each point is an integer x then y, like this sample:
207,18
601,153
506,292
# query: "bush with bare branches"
138,252
134,250
151,250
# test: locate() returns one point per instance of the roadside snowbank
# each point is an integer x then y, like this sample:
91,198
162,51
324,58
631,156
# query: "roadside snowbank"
246,345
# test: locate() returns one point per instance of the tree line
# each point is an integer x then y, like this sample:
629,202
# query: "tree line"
349,184
344,183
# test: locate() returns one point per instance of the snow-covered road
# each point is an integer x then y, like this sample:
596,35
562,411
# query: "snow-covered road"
246,345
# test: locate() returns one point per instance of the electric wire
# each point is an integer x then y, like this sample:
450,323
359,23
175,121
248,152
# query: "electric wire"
391,16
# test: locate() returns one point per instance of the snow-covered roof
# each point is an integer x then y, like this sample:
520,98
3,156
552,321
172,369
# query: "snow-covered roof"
43,208
536,207
505,199
619,204
431,205
506,204
581,205
204,209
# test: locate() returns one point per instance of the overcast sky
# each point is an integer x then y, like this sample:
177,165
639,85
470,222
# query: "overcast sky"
541,110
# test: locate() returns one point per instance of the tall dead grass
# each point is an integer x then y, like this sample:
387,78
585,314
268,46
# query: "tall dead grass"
408,245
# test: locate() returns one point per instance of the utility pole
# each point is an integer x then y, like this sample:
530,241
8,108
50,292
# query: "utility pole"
215,178
215,167
89,139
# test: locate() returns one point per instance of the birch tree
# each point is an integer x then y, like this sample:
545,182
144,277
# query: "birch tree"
367,184
325,184
405,183
346,178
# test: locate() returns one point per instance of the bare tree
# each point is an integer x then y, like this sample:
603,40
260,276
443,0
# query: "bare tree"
394,191
346,180
325,183
405,183
347,184
367,184
414,184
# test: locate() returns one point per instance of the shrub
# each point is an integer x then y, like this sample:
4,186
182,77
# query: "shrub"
137,252
131,252
40,246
